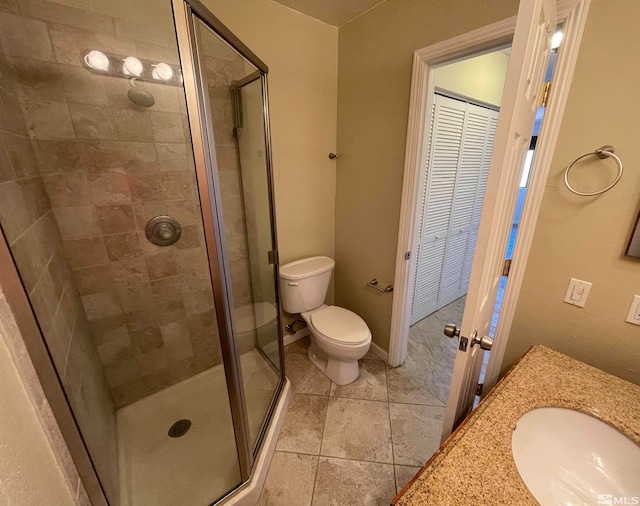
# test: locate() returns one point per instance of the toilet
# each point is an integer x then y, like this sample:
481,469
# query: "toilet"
339,337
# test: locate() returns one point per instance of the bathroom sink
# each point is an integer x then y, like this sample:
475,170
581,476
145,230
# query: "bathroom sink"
569,458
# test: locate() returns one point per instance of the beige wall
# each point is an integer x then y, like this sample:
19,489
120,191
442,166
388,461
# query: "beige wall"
481,78
585,237
374,69
301,54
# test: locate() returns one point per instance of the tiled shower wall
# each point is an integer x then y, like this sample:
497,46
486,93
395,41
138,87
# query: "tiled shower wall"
222,65
30,228
108,166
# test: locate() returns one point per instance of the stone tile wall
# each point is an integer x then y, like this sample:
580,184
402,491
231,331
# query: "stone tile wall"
30,227
222,66
107,167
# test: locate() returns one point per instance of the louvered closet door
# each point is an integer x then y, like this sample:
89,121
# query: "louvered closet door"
438,186
453,192
492,117
471,181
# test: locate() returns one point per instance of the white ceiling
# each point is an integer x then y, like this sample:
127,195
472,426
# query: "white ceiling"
333,12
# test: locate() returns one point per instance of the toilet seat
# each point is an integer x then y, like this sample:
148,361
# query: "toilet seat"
341,326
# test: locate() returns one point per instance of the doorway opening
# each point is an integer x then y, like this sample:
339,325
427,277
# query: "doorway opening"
459,130
461,127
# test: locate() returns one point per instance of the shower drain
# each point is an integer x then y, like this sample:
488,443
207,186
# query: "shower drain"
180,428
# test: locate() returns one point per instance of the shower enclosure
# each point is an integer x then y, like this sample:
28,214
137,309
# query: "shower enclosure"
136,206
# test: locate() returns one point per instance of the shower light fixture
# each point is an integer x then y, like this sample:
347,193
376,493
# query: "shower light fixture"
128,67
132,66
97,60
162,71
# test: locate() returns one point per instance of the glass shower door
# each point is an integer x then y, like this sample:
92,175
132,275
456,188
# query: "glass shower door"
262,364
234,89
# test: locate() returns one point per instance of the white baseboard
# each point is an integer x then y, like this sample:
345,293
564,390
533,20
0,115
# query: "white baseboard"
379,352
292,338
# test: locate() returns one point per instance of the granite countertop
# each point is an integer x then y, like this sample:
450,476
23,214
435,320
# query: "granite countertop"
475,465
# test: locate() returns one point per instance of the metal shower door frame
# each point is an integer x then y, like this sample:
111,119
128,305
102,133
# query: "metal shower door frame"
202,139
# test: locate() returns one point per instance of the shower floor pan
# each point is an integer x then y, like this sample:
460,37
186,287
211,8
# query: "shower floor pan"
201,465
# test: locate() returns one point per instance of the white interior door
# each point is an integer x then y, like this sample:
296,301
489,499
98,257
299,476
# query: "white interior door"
535,26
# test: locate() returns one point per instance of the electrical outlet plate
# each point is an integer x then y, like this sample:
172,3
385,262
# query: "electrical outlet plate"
634,311
577,292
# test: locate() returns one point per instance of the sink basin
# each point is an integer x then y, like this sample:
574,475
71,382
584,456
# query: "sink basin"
569,458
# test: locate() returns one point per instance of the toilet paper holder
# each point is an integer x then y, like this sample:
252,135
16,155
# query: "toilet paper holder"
373,284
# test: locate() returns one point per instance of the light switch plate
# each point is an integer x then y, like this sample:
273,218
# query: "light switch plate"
634,311
577,292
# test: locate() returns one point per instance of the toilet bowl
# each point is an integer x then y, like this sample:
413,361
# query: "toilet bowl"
339,337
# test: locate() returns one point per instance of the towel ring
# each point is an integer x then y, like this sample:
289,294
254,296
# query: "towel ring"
603,152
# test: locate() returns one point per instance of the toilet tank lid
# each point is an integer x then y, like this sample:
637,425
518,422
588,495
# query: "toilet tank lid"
306,267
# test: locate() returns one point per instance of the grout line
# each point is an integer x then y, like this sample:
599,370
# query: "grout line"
393,451
418,404
358,398
315,478
345,458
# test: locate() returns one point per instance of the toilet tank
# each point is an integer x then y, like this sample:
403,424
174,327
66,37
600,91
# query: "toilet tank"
304,283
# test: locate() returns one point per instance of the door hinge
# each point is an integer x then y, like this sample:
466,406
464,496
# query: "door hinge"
273,257
545,94
407,255
506,268
479,389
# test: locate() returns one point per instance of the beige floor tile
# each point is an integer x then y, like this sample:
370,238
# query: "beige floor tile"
404,474
303,425
408,383
290,480
434,352
416,432
342,482
305,377
371,356
299,346
357,429
371,384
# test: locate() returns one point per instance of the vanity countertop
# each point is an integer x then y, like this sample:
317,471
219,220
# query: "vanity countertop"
475,465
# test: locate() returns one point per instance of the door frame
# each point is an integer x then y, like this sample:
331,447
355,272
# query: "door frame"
572,14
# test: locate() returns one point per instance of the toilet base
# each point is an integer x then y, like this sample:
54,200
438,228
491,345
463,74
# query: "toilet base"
341,372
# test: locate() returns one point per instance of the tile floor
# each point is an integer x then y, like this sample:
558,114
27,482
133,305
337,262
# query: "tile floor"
360,443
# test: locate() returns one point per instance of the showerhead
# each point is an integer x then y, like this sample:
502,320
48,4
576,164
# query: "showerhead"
139,96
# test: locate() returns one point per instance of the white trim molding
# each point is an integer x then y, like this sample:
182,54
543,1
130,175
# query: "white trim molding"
573,14
379,352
